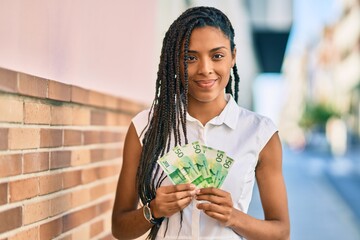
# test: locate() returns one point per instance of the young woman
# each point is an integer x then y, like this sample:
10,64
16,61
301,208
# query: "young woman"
194,102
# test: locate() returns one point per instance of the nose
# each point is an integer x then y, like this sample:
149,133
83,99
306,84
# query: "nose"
205,67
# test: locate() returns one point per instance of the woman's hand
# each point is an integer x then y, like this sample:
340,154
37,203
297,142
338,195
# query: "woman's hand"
219,204
172,199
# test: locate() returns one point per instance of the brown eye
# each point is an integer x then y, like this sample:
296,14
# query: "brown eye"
218,56
190,58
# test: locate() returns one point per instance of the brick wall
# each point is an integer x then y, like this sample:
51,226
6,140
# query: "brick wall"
60,156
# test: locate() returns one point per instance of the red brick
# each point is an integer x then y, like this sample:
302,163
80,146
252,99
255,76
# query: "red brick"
129,106
104,207
3,193
37,113
72,137
11,109
4,139
111,119
23,189
71,179
51,137
10,219
50,183
35,162
111,186
124,120
97,191
67,237
8,80
61,115
10,165
51,229
108,237
59,91
112,153
98,117
97,155
89,175
24,138
91,137
107,171
77,218
36,211
81,116
32,233
125,105
80,197
80,157
60,204
96,99
60,159
108,137
32,86
79,95
111,102
96,228
82,232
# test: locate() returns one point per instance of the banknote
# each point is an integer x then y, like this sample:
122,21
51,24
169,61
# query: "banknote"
226,165
196,153
169,163
187,166
215,159
196,163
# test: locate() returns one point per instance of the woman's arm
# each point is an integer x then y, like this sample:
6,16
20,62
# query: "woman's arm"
273,197
127,221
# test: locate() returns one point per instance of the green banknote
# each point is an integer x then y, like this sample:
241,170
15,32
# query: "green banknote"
195,152
215,159
187,165
196,163
169,164
224,171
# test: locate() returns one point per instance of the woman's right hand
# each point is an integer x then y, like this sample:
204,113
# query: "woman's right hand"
172,199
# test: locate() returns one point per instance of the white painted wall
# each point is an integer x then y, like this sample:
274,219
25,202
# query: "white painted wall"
108,46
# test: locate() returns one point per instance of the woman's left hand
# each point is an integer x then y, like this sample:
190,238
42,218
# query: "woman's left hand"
219,204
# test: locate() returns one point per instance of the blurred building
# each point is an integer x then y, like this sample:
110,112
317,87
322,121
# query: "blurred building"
322,73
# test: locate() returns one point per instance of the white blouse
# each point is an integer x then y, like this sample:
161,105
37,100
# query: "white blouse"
241,134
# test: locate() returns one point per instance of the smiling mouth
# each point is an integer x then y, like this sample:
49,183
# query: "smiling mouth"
205,83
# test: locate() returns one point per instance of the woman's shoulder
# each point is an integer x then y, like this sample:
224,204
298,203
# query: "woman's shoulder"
256,121
140,122
253,116
141,116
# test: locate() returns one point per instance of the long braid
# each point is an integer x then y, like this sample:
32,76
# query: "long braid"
237,81
167,117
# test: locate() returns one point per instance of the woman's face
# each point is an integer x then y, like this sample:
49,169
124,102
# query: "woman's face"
209,63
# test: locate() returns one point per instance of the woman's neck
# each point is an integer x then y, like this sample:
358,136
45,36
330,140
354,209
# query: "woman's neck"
205,111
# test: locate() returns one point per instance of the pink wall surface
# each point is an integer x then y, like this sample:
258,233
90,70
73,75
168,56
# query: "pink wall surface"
108,46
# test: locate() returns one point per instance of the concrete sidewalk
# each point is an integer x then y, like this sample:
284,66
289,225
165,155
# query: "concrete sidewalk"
317,210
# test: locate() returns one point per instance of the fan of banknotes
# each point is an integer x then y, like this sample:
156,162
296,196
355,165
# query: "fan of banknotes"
197,164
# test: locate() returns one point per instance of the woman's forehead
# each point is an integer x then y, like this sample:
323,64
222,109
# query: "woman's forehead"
208,36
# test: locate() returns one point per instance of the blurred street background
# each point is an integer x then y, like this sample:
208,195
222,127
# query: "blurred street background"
313,95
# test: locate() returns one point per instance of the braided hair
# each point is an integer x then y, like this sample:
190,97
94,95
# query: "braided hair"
167,116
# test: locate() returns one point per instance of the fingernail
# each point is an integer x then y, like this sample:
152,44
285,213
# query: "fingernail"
192,186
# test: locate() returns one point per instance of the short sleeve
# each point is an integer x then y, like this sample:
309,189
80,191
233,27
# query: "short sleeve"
267,130
140,122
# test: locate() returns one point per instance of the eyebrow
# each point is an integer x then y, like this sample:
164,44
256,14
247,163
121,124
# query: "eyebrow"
212,50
